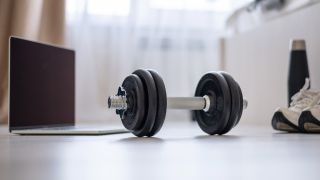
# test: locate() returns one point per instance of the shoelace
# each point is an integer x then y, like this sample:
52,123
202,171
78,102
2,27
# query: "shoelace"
304,97
317,105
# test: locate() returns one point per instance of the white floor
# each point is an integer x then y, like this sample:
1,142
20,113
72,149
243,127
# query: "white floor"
180,151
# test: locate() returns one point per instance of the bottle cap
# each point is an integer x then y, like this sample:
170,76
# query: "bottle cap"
297,45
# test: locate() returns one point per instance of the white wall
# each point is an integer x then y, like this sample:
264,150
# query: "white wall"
259,59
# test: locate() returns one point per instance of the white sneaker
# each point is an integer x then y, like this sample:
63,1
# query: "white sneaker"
309,120
287,119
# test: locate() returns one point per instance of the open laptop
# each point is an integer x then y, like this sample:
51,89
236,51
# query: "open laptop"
42,90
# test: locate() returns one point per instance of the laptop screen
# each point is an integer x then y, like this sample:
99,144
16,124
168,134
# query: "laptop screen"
41,85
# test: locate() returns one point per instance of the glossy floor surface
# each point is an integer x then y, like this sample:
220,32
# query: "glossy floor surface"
180,151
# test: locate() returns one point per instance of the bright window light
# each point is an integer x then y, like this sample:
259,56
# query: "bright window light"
108,7
197,5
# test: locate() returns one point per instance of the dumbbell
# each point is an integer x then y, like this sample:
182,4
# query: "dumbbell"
142,102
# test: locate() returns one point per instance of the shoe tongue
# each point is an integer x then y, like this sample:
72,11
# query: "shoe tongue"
306,85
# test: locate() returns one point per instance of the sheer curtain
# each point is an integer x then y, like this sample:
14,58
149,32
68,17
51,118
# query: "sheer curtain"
178,38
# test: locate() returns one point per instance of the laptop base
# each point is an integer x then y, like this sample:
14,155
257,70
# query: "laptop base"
71,131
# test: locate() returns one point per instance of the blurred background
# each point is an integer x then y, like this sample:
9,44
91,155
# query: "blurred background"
181,39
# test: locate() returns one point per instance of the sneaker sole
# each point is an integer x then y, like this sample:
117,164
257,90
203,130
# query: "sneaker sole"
308,123
281,123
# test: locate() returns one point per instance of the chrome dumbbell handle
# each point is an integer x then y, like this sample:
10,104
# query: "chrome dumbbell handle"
189,103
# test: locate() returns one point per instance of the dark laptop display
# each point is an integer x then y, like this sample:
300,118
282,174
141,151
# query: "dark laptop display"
42,85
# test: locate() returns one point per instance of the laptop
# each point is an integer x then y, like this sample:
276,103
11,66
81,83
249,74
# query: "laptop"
42,90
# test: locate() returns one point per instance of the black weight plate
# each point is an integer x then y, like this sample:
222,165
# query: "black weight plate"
162,103
133,116
215,86
235,102
150,102
241,103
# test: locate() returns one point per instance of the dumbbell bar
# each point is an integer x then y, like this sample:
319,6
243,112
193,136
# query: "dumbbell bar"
142,103
188,103
192,103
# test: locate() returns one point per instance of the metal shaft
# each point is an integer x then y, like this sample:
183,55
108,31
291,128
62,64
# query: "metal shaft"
117,102
190,103
193,103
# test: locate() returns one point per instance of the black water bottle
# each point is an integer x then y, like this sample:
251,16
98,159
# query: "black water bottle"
298,67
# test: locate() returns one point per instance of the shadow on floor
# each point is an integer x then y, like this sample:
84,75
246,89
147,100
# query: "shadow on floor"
218,137
212,138
141,140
